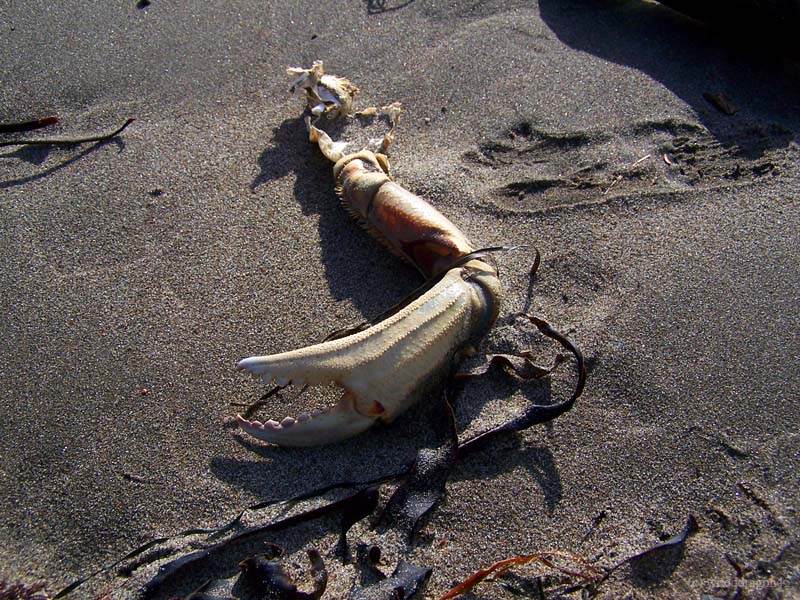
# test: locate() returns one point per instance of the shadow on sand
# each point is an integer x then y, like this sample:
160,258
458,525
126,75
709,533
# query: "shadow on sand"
691,61
357,267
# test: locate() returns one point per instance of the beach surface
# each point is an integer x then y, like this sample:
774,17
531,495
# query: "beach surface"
136,272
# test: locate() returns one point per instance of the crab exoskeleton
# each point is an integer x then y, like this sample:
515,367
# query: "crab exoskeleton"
384,369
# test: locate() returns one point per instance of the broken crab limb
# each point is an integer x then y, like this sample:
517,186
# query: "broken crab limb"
381,369
385,368
333,151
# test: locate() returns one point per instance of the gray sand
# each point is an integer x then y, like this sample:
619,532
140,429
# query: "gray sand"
135,274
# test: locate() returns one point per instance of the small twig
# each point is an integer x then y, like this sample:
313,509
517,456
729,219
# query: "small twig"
69,141
253,406
617,179
135,478
28,125
620,176
586,570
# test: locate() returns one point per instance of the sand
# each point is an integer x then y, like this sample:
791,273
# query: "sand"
135,273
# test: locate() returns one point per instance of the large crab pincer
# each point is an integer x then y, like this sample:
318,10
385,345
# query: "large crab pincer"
387,367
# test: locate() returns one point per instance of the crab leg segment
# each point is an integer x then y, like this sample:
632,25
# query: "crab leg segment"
380,369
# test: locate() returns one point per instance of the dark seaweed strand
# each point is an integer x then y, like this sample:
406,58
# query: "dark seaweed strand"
69,141
253,406
521,365
235,521
537,261
187,561
28,125
327,488
568,344
536,413
143,548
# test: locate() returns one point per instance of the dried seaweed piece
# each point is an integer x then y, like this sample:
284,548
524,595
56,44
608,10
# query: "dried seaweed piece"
265,573
654,563
28,125
361,506
367,559
589,572
422,490
537,261
143,548
333,486
426,479
69,141
267,577
199,593
406,581
377,7
676,541
319,574
546,329
520,365
253,406
169,570
650,565
193,561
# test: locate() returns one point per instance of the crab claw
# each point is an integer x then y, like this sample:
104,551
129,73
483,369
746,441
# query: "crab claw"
384,369
325,427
